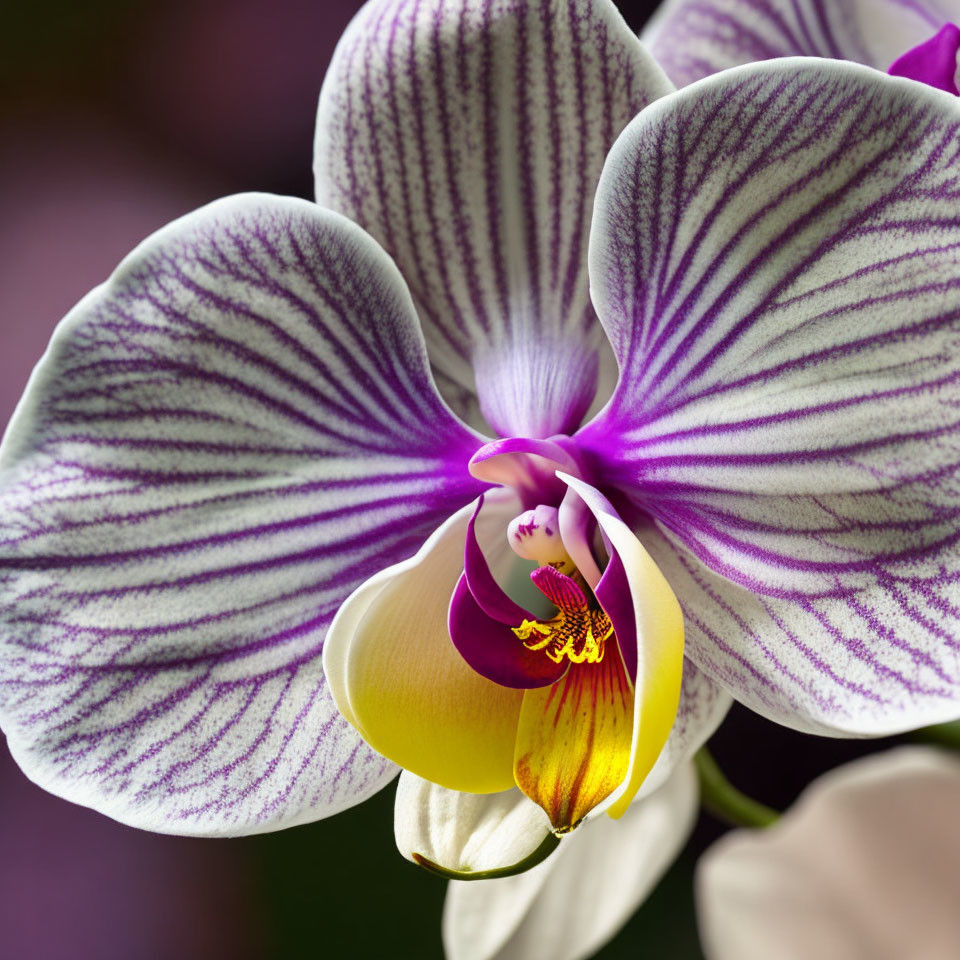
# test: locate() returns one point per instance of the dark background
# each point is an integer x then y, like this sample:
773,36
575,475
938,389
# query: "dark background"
115,117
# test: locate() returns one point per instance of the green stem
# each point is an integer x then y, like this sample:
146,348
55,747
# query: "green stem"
941,734
721,798
549,844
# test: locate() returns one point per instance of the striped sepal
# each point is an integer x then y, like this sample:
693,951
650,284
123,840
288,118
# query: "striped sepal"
220,444
777,260
467,136
693,38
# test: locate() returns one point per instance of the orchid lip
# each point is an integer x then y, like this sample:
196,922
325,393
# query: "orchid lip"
577,694
482,616
492,649
494,634
481,621
579,631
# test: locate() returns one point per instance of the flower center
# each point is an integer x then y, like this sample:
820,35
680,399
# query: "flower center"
535,535
579,636
579,629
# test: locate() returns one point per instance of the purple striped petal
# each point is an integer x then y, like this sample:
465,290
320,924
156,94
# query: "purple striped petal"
468,138
776,256
221,443
692,39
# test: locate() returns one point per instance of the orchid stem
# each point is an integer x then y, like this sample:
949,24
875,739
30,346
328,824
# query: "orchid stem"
721,798
941,734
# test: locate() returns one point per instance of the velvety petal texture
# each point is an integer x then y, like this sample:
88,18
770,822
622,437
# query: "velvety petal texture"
492,648
468,136
693,38
574,739
221,443
467,832
569,906
865,866
776,257
396,675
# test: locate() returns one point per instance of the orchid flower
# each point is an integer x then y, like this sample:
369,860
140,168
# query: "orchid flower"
864,865
693,38
234,463
240,430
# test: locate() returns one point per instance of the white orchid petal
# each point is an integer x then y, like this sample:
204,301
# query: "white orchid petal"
775,256
468,138
221,443
466,832
569,906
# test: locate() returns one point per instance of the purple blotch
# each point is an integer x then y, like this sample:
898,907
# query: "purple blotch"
933,62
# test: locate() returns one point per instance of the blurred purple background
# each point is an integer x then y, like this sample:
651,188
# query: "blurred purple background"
75,884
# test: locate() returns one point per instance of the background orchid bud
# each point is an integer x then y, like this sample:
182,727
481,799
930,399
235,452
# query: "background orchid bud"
865,866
